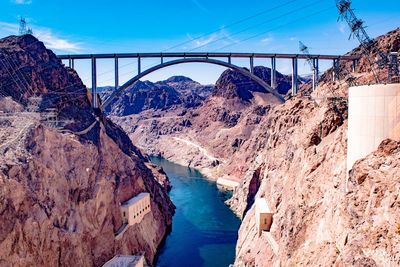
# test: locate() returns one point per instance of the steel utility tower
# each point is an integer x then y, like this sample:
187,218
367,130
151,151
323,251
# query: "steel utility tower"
23,29
358,30
313,64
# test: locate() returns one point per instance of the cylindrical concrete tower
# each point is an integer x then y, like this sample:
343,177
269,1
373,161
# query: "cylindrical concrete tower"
374,115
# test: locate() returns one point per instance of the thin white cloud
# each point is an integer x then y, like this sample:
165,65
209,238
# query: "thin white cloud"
220,38
342,28
23,2
267,40
50,39
293,39
200,6
285,67
57,43
8,28
227,36
197,42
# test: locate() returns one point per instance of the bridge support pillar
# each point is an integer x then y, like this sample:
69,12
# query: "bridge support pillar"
335,72
230,60
139,65
354,65
94,84
116,72
315,73
72,63
251,64
273,72
295,80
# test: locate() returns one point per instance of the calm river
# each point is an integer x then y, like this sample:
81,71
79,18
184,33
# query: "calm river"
204,230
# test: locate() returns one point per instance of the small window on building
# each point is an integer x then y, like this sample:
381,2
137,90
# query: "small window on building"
124,214
265,221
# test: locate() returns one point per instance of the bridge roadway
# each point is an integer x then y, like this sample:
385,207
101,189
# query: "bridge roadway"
205,55
212,58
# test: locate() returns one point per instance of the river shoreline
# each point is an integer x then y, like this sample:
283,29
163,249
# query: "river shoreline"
210,173
204,227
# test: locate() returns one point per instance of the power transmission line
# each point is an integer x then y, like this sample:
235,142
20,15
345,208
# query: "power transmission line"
232,24
24,80
14,78
274,28
257,25
216,30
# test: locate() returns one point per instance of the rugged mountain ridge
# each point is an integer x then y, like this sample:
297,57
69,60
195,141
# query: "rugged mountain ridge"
62,182
174,92
232,84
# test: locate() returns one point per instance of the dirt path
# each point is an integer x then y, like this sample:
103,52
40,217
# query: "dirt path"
202,149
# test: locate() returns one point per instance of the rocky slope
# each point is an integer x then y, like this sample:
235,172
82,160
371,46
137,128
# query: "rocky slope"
62,182
177,91
232,84
298,164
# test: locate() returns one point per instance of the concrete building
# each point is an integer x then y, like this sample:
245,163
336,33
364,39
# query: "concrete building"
374,115
135,208
263,216
126,261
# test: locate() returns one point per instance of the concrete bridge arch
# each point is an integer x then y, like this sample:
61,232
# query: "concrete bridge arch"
229,65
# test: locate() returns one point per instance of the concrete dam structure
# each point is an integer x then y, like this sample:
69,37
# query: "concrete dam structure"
374,115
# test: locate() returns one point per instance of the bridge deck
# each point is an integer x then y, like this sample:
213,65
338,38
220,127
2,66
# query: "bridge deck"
205,55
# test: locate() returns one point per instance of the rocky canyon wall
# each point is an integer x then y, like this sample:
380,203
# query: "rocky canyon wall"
61,187
299,167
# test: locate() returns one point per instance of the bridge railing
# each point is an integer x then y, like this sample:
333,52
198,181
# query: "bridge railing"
205,55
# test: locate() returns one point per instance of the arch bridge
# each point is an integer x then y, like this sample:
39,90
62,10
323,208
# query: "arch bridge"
170,59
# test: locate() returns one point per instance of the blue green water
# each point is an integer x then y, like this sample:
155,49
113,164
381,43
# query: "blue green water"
204,230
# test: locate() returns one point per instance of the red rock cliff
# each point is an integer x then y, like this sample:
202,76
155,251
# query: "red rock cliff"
60,190
297,164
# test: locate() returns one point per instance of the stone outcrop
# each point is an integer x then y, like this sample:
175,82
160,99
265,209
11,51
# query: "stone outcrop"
304,183
233,84
61,185
177,91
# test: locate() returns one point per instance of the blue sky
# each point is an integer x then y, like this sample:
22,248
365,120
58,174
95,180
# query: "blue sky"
105,26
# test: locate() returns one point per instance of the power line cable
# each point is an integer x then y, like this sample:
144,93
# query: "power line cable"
238,32
18,74
217,30
274,28
232,24
13,78
7,65
24,80
256,25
